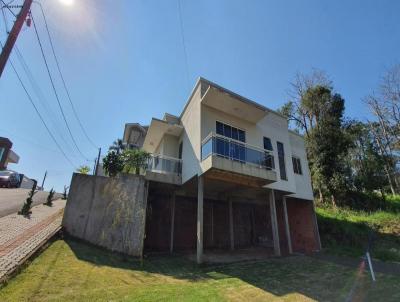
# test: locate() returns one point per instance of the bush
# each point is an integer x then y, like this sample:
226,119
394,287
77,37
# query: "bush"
26,208
49,201
113,163
135,160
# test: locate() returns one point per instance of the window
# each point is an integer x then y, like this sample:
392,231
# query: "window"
296,165
281,159
1,153
231,149
180,150
267,144
231,132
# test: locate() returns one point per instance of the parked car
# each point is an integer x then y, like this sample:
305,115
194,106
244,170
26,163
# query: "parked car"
9,179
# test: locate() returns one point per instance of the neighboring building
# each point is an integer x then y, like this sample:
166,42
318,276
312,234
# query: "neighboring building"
226,174
7,156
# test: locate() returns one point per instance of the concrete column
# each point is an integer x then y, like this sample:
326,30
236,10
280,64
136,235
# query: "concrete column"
200,195
171,243
212,223
231,234
274,223
287,228
316,230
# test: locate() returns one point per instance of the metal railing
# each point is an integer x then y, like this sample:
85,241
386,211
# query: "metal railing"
164,164
219,145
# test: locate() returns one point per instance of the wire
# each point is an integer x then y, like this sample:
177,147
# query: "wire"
54,88
38,113
35,86
6,6
39,93
183,43
62,78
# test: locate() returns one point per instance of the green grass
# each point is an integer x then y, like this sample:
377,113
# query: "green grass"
345,231
73,271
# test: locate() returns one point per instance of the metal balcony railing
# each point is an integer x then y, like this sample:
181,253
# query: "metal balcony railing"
164,164
219,145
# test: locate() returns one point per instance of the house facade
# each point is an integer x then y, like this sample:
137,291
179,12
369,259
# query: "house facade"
7,156
226,174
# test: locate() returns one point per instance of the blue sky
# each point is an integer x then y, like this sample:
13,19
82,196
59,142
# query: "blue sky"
124,61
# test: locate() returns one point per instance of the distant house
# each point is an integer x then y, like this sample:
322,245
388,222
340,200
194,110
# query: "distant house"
225,174
7,155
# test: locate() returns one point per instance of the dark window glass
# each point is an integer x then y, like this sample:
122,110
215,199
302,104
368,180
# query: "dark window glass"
296,165
281,159
267,144
242,136
220,128
228,131
180,150
235,134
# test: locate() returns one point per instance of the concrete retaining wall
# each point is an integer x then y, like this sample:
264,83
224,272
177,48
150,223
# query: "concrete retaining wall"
109,212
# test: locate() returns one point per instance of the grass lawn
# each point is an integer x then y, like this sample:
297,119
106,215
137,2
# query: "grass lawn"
345,231
73,271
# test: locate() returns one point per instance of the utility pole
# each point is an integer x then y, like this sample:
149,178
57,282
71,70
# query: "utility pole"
13,35
97,163
44,178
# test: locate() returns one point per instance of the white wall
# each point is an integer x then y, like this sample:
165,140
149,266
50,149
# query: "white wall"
303,182
272,125
190,120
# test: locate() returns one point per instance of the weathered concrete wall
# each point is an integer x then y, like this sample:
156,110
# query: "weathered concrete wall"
109,212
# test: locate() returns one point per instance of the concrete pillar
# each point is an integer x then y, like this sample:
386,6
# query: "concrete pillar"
171,243
274,223
287,228
212,223
316,230
231,234
200,195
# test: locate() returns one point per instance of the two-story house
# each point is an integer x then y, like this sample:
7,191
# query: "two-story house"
227,173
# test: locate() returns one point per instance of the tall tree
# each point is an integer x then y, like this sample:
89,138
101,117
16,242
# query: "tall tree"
385,106
318,113
118,146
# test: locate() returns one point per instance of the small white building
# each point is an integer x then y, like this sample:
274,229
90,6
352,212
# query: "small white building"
227,173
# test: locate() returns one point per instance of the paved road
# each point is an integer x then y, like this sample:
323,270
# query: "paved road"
11,200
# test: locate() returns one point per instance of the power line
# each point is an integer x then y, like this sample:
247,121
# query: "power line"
39,93
54,88
38,113
35,86
62,78
183,43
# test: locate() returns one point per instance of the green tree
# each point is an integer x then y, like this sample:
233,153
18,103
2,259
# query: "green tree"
317,112
83,170
135,160
50,197
113,163
26,208
118,146
365,163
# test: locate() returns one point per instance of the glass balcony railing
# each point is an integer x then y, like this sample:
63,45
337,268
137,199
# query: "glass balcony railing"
164,164
215,144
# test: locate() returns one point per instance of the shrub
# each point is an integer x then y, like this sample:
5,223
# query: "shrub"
135,160
49,201
65,195
83,170
113,163
26,208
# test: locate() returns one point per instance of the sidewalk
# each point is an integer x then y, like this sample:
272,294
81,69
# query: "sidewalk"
20,237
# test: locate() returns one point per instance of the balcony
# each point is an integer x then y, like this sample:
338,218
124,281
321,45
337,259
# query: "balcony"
164,169
237,161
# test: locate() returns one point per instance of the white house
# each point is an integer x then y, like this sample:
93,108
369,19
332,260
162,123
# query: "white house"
227,173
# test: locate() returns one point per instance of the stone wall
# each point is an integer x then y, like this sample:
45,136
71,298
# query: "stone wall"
108,212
